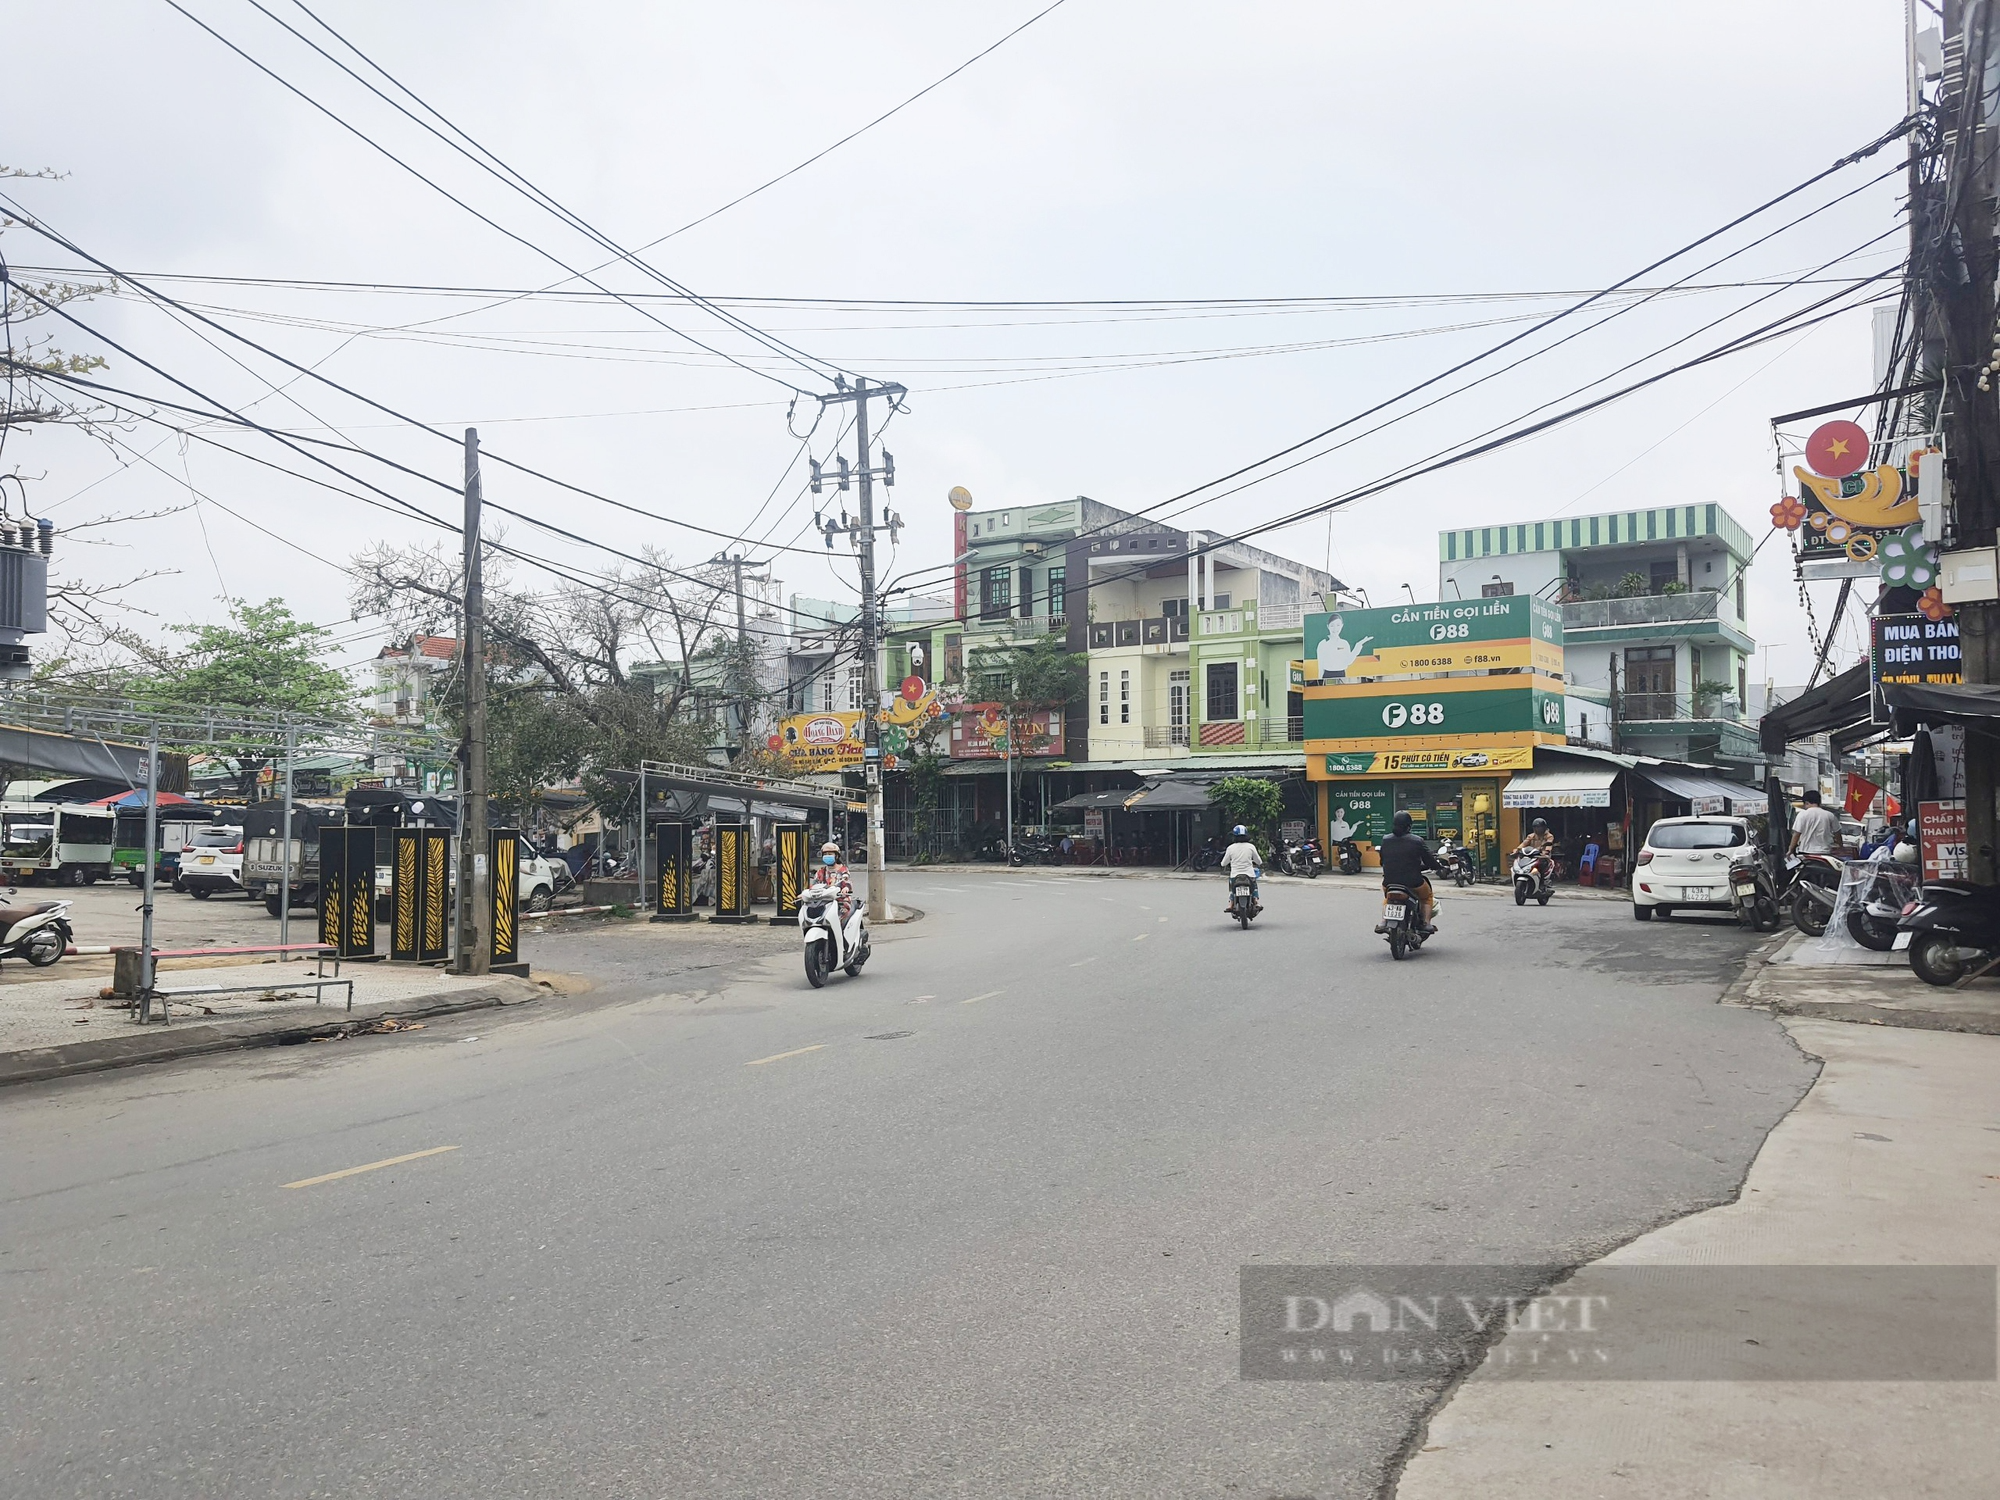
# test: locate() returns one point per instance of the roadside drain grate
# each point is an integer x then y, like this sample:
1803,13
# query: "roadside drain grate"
888,1036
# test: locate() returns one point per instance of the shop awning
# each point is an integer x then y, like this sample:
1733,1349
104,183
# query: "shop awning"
1974,704
1161,796
1572,785
1837,704
1705,794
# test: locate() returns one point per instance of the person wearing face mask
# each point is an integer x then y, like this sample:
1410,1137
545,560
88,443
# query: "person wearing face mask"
833,871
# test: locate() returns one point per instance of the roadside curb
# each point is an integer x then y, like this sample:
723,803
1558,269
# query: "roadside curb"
1156,872
171,1043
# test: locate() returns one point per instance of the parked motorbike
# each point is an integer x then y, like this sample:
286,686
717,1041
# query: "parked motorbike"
1951,931
1301,858
1350,856
829,943
1815,882
1534,876
1754,895
1032,849
38,931
1243,900
1402,924
1888,889
1457,862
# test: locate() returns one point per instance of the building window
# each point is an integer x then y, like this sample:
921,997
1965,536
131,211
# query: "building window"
1740,615
1174,609
1027,592
1220,601
1056,576
854,688
1220,684
1104,697
1124,697
996,593
1177,706
1649,683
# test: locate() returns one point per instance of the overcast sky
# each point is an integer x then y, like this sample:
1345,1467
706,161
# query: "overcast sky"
1114,150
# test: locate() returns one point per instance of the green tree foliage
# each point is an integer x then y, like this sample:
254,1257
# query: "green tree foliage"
264,660
1251,801
1024,680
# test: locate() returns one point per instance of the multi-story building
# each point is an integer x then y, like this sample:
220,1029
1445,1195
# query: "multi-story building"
1656,644
407,679
1185,634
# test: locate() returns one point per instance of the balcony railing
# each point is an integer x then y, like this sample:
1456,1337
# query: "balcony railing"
1670,707
1233,734
1020,627
1649,609
1167,736
1281,616
1160,630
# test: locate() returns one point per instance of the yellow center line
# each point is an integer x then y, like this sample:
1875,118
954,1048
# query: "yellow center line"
758,1062
987,996
373,1166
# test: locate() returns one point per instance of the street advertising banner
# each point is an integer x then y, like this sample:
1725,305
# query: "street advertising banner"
503,858
1384,762
1941,839
788,870
1465,635
834,740
979,732
732,873
1363,813
419,885
1454,706
347,889
1910,648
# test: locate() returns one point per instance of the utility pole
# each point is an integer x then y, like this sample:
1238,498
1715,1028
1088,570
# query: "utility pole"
475,907
1956,252
863,536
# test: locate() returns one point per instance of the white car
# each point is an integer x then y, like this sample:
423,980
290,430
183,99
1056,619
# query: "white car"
211,861
1684,865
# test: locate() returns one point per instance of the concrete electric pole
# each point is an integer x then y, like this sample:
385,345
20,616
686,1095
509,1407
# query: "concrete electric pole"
861,393
475,906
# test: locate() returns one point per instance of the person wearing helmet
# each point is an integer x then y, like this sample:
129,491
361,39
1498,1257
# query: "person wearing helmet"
1405,858
1541,842
832,870
1241,858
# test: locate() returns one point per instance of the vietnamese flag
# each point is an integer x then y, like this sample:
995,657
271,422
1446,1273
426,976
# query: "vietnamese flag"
1860,796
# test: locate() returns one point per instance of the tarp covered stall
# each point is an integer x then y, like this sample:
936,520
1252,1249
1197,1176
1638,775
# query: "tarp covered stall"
1561,786
1160,796
43,750
1973,704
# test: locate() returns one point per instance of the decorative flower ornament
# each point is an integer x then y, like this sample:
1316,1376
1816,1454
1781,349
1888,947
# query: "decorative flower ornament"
1908,560
1932,606
1788,514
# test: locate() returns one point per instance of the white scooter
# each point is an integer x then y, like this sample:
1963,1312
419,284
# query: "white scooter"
829,945
38,931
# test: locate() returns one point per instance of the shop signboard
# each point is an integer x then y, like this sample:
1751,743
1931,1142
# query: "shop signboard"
979,732
1559,797
1941,839
1910,648
834,740
1463,635
1093,822
1360,812
1443,706
1388,762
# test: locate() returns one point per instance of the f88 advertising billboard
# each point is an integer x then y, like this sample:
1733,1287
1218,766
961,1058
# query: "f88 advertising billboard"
1466,635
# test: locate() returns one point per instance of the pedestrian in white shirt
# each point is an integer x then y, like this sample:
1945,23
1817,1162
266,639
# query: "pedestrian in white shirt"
1817,831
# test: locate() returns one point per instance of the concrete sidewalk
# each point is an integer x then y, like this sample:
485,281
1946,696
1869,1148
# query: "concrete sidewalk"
1835,979
1366,880
53,1027
1892,1158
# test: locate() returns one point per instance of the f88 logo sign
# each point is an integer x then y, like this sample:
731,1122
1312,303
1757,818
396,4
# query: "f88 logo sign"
1396,715
1551,711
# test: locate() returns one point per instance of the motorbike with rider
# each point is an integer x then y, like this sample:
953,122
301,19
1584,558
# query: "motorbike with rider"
1241,862
1535,865
1406,859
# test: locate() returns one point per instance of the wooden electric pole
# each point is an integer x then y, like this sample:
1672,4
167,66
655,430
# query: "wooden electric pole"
475,905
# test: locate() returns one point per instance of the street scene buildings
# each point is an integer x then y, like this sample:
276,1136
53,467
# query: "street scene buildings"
1053,751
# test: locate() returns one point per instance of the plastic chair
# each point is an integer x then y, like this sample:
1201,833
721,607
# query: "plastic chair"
1586,868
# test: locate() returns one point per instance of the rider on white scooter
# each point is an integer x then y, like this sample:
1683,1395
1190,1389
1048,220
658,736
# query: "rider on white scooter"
1241,858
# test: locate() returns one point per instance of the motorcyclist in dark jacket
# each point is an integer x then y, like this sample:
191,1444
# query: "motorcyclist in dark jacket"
1405,858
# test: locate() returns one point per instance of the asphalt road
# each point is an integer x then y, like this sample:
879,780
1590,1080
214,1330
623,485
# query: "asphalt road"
969,1225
